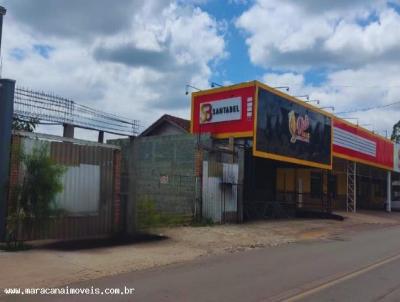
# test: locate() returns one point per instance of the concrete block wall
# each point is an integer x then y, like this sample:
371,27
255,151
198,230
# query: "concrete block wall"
116,191
163,171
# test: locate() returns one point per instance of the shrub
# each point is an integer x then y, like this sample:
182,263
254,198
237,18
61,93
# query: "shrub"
149,217
33,201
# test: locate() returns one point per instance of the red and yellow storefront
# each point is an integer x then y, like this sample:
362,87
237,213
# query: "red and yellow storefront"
296,153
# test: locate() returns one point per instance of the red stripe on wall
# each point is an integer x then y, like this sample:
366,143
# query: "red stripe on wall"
384,148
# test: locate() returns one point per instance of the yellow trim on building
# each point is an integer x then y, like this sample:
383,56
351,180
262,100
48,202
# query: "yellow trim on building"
281,157
255,113
192,114
225,88
291,160
294,99
233,134
258,84
365,162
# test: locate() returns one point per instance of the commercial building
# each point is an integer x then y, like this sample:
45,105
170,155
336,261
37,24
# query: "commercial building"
289,155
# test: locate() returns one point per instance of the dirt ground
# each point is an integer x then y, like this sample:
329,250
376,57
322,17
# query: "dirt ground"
40,267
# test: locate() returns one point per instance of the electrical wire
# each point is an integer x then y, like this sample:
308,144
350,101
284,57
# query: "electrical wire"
369,108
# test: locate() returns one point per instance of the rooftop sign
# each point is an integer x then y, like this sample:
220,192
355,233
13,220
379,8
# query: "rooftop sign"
290,131
224,112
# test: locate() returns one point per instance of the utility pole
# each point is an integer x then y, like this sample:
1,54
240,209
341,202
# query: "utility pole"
6,115
2,13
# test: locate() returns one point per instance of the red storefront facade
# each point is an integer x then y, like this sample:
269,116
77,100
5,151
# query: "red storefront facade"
293,134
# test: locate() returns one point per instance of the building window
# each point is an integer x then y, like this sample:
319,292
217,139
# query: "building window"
316,185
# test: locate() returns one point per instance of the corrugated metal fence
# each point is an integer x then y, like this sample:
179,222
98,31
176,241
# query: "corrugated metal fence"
220,191
90,196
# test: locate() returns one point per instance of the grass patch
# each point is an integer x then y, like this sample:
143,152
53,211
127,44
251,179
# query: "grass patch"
149,217
17,246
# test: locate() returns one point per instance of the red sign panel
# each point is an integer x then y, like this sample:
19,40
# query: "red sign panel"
355,143
224,112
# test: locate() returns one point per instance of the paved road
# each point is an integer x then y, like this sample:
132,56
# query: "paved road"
357,267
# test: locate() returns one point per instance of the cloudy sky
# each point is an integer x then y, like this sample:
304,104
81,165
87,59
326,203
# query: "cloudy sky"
134,57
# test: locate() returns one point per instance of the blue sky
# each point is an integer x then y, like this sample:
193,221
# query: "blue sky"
236,67
135,58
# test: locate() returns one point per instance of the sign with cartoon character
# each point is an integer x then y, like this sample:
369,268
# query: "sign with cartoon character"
288,130
298,127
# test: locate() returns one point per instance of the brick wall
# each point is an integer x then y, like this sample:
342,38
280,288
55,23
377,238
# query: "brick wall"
198,159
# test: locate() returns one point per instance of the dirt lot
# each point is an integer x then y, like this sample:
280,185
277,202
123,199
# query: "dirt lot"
58,266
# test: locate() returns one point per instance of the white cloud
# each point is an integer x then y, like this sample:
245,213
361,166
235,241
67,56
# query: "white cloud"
355,42
376,41
285,34
186,40
349,90
138,65
285,79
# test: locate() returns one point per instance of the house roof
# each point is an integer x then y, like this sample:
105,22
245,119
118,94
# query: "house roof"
178,122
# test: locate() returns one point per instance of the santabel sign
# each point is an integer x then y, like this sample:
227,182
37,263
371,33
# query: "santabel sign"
221,110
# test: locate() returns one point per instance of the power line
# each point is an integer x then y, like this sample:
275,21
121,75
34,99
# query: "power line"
369,108
362,86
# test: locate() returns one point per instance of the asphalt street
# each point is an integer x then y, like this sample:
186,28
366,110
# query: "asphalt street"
359,266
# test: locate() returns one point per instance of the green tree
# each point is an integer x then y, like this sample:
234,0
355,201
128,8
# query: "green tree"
25,125
34,200
396,133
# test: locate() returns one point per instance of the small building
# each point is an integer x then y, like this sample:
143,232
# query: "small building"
167,125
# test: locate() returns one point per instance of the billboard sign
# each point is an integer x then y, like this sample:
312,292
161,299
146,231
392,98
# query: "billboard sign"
221,110
290,131
224,112
355,143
